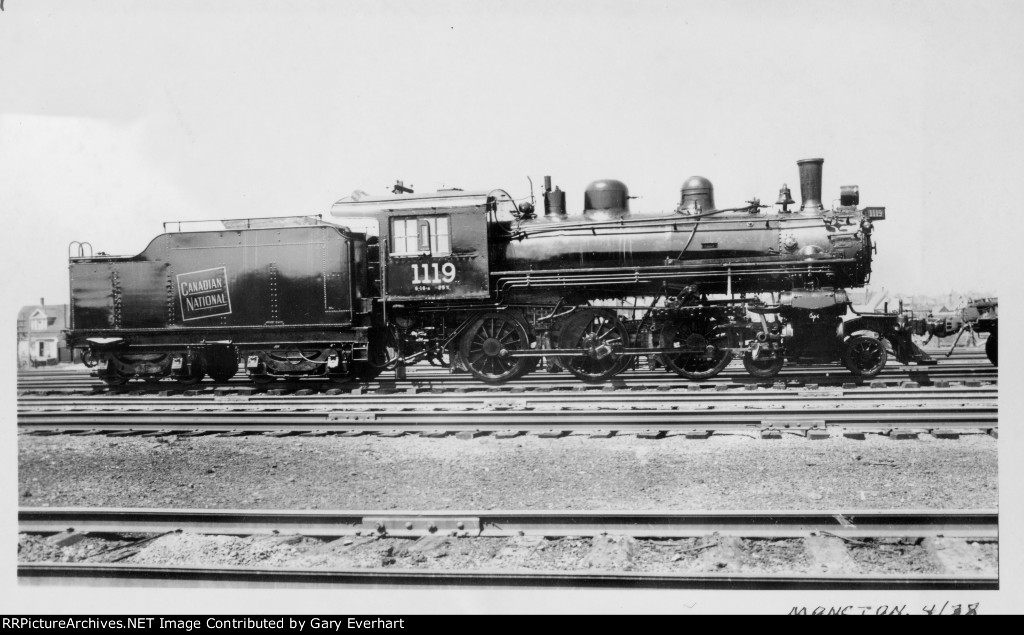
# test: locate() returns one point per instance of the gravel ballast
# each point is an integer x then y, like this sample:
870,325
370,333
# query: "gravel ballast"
526,472
709,554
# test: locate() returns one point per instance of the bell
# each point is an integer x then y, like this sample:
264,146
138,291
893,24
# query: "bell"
785,198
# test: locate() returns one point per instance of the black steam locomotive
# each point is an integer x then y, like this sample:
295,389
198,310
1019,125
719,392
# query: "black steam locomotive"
478,283
981,315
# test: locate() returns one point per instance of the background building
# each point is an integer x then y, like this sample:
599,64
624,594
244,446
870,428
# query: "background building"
40,337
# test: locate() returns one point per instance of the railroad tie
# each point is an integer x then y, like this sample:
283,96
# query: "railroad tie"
956,555
651,434
904,435
552,434
830,555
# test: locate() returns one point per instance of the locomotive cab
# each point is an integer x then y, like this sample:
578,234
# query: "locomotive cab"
432,247
435,253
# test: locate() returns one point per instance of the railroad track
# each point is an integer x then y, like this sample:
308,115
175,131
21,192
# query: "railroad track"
962,367
865,549
500,415
432,400
598,397
617,406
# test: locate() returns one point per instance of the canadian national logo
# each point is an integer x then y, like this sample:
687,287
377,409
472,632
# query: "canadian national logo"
204,294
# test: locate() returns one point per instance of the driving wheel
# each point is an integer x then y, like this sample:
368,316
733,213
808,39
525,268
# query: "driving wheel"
600,336
485,346
698,358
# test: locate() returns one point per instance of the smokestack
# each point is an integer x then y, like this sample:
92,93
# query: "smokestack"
810,185
42,301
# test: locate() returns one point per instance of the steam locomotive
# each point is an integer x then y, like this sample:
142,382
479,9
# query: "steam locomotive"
981,315
476,282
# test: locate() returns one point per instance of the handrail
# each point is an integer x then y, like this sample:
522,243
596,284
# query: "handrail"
81,249
242,223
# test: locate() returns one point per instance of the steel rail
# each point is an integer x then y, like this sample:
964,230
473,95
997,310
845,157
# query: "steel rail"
734,368
959,358
721,401
260,419
831,376
77,574
431,397
730,373
957,523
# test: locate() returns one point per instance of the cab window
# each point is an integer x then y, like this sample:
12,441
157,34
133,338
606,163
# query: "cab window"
417,236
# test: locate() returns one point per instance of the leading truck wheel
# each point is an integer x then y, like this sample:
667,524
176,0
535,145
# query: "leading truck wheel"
864,355
696,363
485,346
992,349
763,367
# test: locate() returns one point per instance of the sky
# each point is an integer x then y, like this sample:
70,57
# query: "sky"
115,119
118,116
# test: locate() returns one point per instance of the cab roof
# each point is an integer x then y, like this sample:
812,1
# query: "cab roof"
444,199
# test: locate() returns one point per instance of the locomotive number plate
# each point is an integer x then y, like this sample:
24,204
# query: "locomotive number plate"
875,213
442,274
433,277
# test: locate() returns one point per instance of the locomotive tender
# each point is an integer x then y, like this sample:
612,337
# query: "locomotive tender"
473,281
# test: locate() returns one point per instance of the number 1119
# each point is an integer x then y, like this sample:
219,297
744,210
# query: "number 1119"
444,273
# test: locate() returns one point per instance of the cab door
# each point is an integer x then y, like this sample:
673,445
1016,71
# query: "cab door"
437,254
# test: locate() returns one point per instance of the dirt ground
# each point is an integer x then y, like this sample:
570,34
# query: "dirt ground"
526,472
